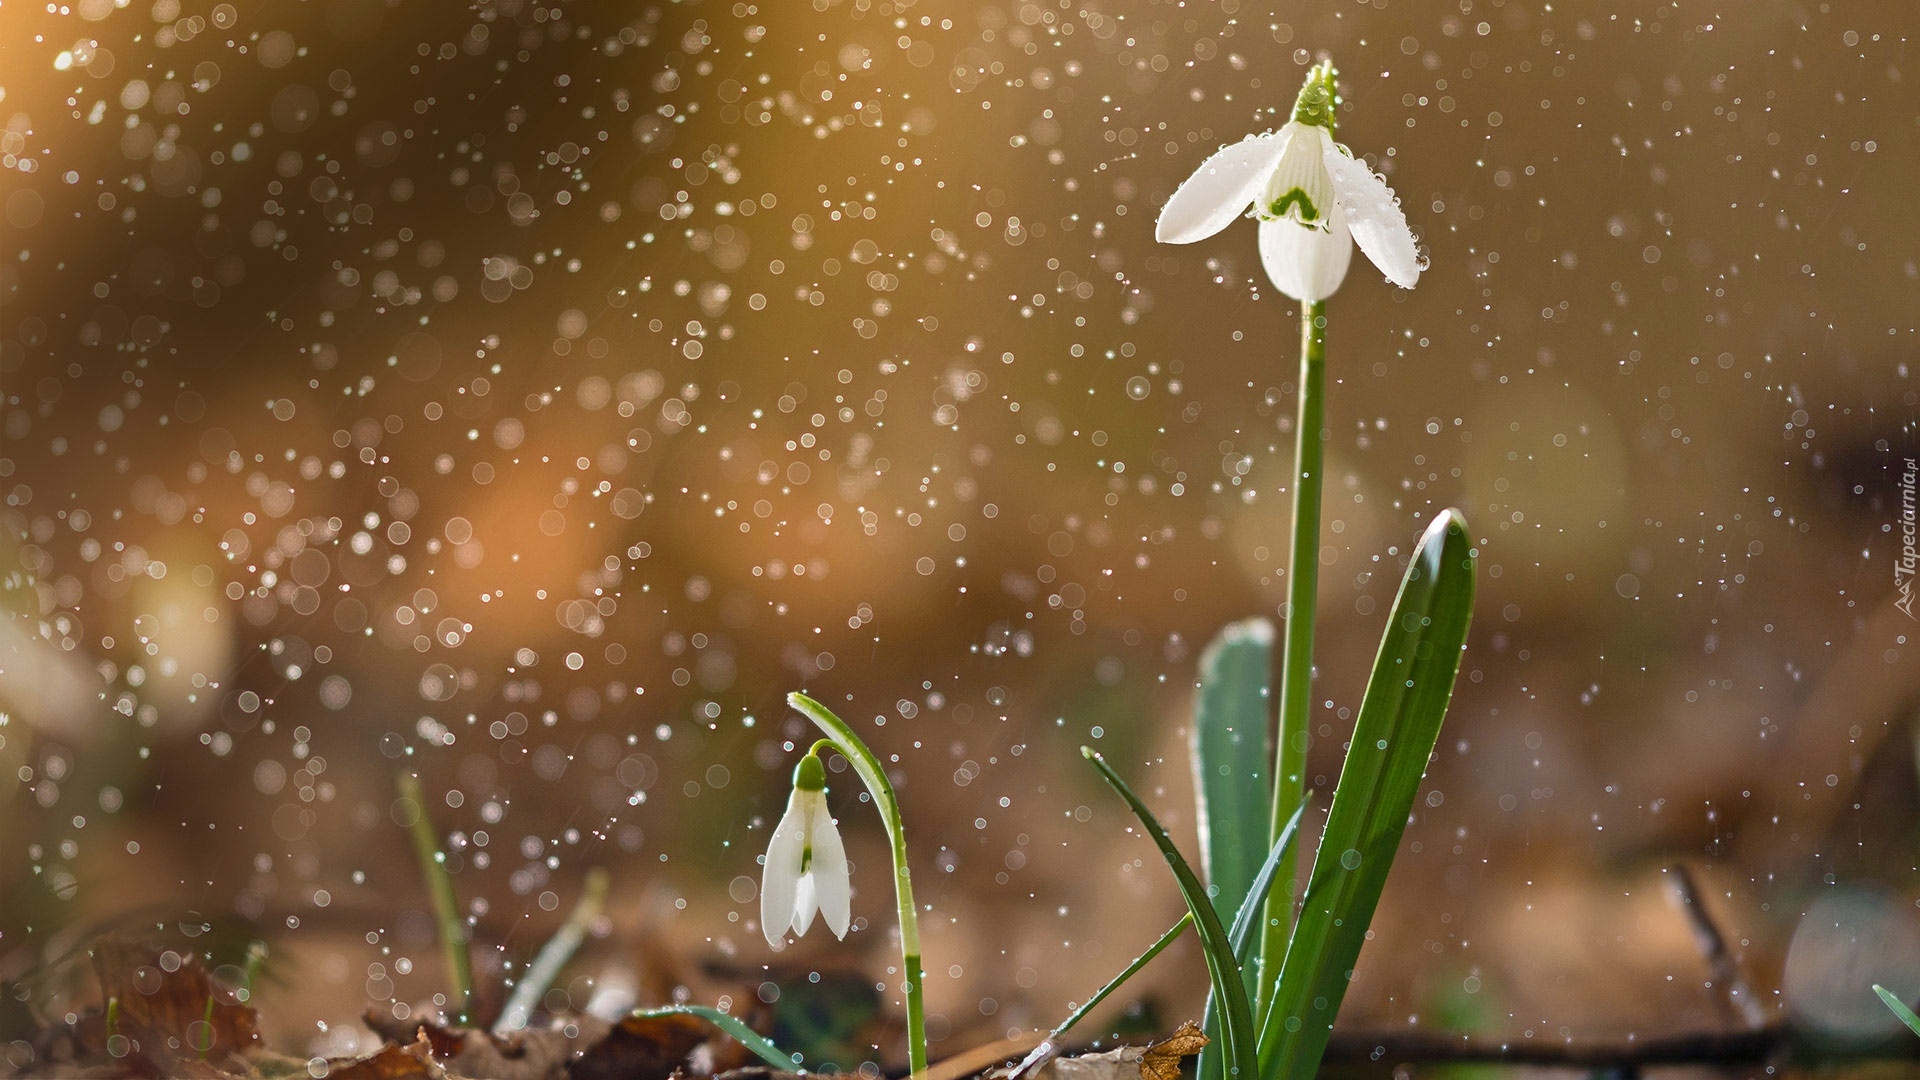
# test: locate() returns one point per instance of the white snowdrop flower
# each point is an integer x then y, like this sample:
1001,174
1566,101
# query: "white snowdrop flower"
1313,198
806,869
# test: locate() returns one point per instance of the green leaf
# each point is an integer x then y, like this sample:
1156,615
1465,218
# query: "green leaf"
1237,1017
1049,1047
733,1026
1240,934
1132,969
1230,759
1240,937
1899,1008
1398,725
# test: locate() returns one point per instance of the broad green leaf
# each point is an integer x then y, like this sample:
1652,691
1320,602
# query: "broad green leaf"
1231,760
1393,737
1237,1016
735,1027
1899,1008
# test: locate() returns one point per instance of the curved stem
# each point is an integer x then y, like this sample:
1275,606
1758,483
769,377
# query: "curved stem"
1296,675
874,775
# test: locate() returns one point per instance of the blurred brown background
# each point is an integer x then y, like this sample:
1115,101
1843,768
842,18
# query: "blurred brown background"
533,395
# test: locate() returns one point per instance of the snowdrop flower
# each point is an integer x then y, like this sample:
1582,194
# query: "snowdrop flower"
806,869
1313,198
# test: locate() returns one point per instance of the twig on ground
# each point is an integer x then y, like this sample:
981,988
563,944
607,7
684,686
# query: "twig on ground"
1773,1042
1732,991
981,1058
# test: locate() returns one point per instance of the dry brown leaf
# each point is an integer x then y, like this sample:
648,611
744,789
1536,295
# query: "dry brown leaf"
534,1054
1160,1061
581,1048
444,1041
177,1011
413,1061
172,1023
650,1048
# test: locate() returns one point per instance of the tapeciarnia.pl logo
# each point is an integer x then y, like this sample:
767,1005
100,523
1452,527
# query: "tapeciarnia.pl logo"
1908,563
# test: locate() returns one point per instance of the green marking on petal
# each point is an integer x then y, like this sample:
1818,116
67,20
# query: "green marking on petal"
1317,98
1307,214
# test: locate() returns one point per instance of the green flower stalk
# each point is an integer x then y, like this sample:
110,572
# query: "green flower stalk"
1296,672
1314,202
806,855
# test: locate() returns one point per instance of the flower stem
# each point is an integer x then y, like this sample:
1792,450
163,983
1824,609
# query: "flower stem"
874,775
1296,673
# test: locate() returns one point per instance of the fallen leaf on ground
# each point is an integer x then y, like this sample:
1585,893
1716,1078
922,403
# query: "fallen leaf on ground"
1160,1061
655,1047
532,1054
174,1023
413,1061
579,1048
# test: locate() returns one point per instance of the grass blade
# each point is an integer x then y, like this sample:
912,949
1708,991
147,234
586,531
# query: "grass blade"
1899,1008
1399,723
554,954
733,1026
1237,1016
1241,937
1049,1047
1229,754
1241,932
446,904
1132,969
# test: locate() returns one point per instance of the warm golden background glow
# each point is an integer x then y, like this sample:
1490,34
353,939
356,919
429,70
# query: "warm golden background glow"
532,395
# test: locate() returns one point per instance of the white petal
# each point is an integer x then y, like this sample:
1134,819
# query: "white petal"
1304,262
1219,190
780,878
804,905
1299,182
830,878
1379,226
